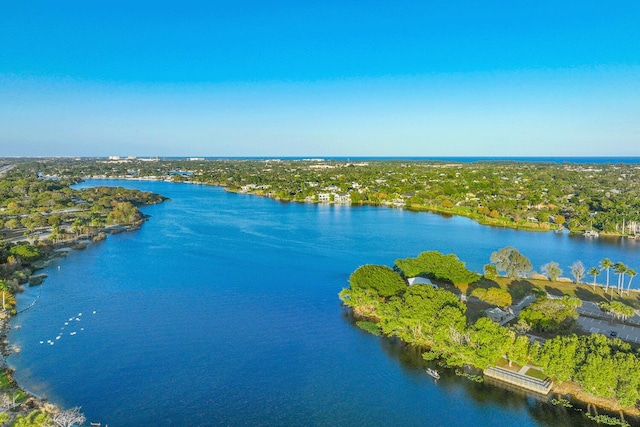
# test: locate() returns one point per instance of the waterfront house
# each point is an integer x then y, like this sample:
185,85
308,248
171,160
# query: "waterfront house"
343,198
323,197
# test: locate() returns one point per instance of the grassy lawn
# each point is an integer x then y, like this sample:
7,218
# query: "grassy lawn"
504,364
531,372
536,373
4,381
5,386
522,287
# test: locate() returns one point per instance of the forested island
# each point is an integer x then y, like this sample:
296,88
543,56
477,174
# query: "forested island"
593,198
43,219
450,315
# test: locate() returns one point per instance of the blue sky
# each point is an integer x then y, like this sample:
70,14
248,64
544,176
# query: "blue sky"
331,78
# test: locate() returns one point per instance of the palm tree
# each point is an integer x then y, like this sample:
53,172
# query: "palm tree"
620,269
594,272
5,288
632,273
77,226
606,264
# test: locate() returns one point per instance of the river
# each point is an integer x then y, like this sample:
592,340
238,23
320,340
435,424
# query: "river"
223,310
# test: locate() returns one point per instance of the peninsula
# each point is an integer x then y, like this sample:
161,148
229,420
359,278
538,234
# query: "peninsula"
517,324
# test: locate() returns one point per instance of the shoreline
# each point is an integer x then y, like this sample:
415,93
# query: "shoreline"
477,218
567,390
30,401
27,400
6,347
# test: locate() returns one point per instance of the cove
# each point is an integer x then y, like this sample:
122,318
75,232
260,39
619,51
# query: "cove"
223,309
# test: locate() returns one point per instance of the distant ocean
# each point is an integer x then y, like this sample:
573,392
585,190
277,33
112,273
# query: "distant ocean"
558,160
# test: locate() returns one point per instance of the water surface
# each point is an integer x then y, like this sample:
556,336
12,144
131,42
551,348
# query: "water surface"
222,310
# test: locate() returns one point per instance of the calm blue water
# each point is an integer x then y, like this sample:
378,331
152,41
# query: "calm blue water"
223,310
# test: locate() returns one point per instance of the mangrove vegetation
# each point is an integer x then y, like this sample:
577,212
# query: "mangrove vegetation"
443,321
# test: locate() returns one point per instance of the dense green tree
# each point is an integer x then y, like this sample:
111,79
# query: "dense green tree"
33,419
54,220
12,224
364,302
123,213
519,351
26,252
437,266
493,296
512,262
551,315
552,270
379,278
490,271
490,341
420,313
557,357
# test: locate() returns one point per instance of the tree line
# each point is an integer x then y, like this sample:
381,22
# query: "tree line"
580,197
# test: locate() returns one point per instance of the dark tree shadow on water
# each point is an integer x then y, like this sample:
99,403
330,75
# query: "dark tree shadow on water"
489,393
409,357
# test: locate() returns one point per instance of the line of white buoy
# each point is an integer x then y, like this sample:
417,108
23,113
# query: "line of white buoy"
77,318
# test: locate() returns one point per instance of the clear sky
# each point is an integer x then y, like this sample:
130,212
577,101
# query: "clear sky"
321,78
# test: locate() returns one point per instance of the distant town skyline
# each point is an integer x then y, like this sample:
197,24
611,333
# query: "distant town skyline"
347,78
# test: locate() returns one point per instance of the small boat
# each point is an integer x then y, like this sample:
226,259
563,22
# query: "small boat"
591,233
433,373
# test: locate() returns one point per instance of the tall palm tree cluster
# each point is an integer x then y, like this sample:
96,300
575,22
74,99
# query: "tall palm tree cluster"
619,269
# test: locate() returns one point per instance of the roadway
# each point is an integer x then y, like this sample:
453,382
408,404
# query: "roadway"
593,320
5,169
628,333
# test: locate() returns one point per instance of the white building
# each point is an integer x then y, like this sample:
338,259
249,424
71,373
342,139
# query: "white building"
343,198
421,281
